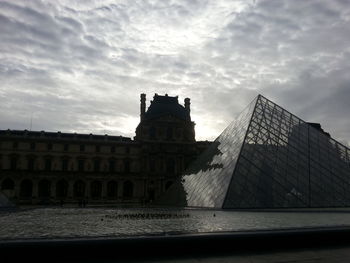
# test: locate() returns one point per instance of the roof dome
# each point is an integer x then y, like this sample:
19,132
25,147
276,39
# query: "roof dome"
165,105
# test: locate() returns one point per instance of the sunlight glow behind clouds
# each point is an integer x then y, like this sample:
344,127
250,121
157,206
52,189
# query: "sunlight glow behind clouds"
167,32
81,65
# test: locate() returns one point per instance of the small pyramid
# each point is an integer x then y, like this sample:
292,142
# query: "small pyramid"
269,158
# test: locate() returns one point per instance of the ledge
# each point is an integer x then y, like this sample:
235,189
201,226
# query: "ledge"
173,245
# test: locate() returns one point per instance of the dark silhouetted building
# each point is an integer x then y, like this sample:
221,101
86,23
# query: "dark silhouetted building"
38,167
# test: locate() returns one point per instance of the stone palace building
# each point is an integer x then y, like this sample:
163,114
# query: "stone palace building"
38,167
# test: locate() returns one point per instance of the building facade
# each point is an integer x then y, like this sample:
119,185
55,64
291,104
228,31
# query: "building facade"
38,167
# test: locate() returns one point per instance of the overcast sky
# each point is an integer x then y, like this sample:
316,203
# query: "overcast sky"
80,66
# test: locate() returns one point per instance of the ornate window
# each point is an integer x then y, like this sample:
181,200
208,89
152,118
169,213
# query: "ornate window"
32,146
7,184
170,166
15,145
97,165
126,165
61,188
31,163
96,189
152,165
79,188
112,165
82,148
112,190
81,164
44,188
65,164
152,132
49,146
14,162
26,189
169,133
112,149
48,164
128,189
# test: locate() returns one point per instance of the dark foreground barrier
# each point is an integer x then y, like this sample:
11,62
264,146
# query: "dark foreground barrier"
171,246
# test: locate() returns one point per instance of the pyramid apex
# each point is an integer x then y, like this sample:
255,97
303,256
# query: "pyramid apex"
269,158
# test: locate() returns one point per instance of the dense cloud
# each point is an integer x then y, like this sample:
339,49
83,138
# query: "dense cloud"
81,65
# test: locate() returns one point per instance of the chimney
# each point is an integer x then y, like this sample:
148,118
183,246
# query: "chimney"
187,105
143,106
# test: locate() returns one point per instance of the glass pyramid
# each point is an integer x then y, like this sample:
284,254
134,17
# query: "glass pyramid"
268,158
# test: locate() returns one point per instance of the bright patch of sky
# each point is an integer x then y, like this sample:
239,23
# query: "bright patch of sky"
81,65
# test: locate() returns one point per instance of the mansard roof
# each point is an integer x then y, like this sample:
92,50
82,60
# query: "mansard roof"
166,105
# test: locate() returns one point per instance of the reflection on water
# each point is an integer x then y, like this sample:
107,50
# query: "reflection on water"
95,222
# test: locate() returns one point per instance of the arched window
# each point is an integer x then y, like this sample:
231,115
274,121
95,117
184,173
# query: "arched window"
112,190
188,135
128,189
61,188
152,164
32,146
134,166
26,189
81,165
151,194
15,145
79,189
44,188
170,165
97,164
7,184
152,132
49,146
65,164
82,148
48,163
113,149
14,162
169,133
96,189
31,163
126,165
112,165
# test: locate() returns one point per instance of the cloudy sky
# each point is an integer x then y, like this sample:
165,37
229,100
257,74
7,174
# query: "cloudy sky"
80,66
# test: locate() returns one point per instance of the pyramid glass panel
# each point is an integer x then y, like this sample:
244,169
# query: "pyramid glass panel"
206,181
269,158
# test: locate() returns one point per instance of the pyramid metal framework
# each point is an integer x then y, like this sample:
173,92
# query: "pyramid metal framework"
269,158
